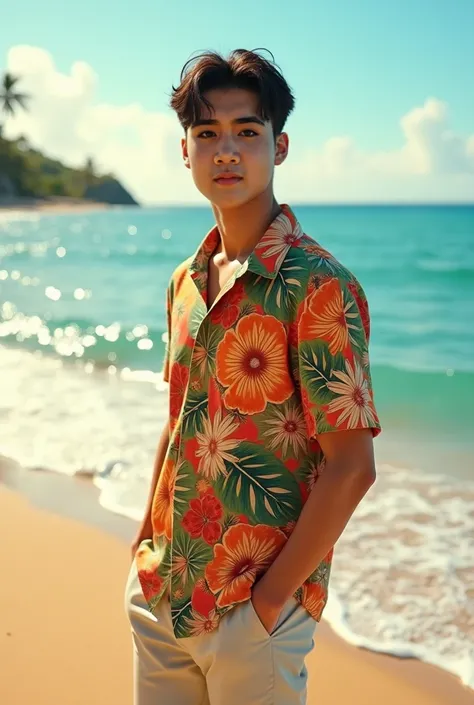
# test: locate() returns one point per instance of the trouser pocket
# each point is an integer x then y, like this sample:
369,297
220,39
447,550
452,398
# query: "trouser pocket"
289,608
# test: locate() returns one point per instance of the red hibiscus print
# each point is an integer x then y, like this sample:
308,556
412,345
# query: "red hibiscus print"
227,310
202,519
202,599
178,385
150,582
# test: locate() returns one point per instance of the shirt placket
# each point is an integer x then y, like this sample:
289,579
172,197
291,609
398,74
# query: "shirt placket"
202,302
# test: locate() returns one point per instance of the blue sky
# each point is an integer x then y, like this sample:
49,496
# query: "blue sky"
356,67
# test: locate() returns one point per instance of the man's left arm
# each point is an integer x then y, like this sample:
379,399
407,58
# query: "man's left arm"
348,474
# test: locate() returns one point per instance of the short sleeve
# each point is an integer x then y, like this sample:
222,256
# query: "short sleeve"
333,358
166,361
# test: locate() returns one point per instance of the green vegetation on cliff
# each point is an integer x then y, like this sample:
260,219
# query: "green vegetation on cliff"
26,172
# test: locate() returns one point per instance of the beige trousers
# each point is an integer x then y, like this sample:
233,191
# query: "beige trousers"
237,664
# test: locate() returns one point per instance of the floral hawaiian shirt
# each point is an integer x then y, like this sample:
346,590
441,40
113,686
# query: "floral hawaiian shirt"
280,357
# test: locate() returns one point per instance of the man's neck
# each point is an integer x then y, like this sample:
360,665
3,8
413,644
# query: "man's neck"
242,228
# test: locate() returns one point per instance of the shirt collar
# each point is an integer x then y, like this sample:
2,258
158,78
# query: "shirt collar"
269,253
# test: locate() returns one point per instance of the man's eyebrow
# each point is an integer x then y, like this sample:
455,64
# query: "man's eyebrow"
238,121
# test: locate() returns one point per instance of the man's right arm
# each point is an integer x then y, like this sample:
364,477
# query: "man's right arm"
145,530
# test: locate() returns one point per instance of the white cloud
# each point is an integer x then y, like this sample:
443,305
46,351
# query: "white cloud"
433,164
142,147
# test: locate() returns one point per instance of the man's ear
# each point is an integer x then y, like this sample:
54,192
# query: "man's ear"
281,148
184,150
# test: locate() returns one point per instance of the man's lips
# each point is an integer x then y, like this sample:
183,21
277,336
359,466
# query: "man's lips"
227,179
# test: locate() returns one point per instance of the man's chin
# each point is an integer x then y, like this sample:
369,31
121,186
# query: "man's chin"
228,201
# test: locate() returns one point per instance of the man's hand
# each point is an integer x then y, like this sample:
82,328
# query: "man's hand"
144,532
267,612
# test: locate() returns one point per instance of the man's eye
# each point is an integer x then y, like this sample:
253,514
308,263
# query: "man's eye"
246,133
206,134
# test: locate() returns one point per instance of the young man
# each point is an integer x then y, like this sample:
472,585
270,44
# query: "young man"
269,449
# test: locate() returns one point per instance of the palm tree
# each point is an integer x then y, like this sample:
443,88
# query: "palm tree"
10,98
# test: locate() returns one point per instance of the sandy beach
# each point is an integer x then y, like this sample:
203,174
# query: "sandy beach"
64,636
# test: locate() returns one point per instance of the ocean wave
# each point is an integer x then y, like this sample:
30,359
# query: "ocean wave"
442,266
404,570
135,346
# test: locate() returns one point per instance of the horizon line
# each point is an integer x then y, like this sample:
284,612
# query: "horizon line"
339,204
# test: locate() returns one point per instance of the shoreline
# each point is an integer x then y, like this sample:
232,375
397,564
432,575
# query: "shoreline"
68,519
51,205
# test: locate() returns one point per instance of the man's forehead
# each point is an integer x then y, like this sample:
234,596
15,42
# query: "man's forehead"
230,103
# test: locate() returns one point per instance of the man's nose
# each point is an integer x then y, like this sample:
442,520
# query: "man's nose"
227,153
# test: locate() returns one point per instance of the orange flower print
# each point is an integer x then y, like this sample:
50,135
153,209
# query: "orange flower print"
202,624
245,552
353,402
162,512
314,598
252,363
328,317
178,384
203,517
202,486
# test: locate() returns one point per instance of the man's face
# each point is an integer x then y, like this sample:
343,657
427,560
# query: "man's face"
229,140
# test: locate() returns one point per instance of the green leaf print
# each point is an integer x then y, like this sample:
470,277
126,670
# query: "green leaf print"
194,412
323,263
354,322
282,294
180,615
197,316
230,519
184,488
259,486
322,424
182,354
204,356
321,574
316,367
190,557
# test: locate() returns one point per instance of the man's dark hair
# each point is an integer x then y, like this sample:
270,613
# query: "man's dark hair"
242,69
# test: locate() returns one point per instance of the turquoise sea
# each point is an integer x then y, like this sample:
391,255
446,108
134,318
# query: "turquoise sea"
82,331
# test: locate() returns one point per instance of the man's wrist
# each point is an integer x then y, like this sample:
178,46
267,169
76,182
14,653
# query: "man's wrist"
146,526
274,594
